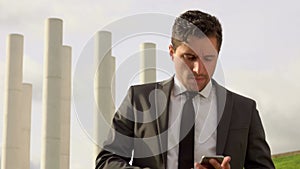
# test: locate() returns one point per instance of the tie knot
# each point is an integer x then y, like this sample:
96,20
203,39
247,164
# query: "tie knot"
190,94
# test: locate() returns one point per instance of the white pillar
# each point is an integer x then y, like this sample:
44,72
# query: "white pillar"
25,121
113,86
11,146
148,63
104,86
50,155
65,107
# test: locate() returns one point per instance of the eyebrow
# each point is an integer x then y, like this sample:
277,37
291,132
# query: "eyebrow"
190,53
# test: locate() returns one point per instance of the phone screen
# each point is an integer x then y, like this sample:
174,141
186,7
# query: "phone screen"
205,160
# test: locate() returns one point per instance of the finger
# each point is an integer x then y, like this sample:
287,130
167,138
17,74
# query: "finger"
226,161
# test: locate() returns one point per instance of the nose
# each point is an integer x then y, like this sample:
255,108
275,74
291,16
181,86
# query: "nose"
198,67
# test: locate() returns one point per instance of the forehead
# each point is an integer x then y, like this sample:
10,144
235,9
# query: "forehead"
200,46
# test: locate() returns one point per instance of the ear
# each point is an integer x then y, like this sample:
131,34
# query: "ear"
171,51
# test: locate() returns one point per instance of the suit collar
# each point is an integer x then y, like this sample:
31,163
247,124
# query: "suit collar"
166,87
225,104
180,89
163,119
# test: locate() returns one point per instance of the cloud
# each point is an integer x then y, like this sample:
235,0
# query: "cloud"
34,164
277,95
81,146
2,76
2,70
33,74
14,14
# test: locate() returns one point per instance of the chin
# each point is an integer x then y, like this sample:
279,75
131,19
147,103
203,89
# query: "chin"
201,86
193,87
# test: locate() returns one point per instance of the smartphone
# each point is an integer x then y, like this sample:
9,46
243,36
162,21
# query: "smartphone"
205,160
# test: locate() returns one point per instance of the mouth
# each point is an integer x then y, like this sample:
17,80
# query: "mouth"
198,77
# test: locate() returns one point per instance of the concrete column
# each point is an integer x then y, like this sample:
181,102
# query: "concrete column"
65,107
104,86
148,63
11,147
51,134
25,121
113,86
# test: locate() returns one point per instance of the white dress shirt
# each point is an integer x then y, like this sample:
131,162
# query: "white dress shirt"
205,105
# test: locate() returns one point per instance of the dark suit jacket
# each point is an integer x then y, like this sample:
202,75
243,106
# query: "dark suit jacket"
240,133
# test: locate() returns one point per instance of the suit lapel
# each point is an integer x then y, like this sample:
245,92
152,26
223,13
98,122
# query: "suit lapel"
163,118
225,103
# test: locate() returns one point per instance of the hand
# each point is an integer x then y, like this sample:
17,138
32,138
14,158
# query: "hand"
225,164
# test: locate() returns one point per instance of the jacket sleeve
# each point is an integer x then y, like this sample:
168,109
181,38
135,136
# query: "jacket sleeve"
258,152
117,149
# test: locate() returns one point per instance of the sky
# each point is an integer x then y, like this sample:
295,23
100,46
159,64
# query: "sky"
260,57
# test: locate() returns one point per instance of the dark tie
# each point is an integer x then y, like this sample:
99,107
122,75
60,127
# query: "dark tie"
186,144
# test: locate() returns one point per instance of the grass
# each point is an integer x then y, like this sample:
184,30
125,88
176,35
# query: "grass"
287,162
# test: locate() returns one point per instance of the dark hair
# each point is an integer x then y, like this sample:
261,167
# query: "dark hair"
195,23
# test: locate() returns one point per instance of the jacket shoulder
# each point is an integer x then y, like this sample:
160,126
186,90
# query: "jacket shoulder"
240,98
148,87
233,97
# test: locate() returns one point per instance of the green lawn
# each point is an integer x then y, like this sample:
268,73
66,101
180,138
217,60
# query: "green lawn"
287,162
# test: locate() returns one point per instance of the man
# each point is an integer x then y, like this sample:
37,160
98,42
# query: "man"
171,124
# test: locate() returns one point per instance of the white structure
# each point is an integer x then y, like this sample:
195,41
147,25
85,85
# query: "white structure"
55,151
66,61
17,109
51,129
104,87
11,147
148,62
26,125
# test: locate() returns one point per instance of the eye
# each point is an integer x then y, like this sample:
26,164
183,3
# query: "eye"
190,57
209,57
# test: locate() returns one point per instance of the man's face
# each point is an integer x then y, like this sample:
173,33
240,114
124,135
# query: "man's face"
195,61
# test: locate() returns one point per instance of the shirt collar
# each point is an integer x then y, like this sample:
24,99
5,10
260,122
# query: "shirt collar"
179,88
